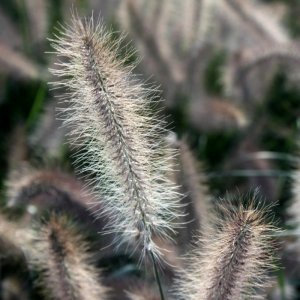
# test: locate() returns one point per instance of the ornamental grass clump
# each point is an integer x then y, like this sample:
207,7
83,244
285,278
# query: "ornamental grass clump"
121,147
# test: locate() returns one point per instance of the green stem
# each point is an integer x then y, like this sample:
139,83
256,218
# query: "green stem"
162,297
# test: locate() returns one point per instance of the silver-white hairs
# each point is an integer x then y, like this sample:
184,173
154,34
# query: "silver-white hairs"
109,114
233,258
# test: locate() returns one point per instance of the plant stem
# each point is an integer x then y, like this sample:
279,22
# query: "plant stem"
162,297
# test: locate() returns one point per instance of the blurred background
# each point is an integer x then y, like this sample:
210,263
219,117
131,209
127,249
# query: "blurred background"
229,71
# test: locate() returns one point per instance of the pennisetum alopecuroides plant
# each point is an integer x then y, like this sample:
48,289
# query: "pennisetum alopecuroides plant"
122,145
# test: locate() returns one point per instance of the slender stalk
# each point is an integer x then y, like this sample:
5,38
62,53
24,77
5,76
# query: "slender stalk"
157,277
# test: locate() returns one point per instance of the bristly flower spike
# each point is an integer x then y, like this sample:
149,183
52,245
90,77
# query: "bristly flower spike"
232,259
62,257
109,115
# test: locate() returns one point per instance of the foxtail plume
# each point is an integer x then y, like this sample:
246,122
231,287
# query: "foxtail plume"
232,259
110,116
62,257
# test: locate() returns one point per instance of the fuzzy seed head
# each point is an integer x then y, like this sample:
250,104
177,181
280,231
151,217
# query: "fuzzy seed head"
62,257
109,115
232,259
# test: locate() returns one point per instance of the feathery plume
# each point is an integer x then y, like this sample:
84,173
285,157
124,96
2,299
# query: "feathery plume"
261,24
215,114
59,253
110,116
62,257
39,192
232,260
240,73
28,186
14,238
